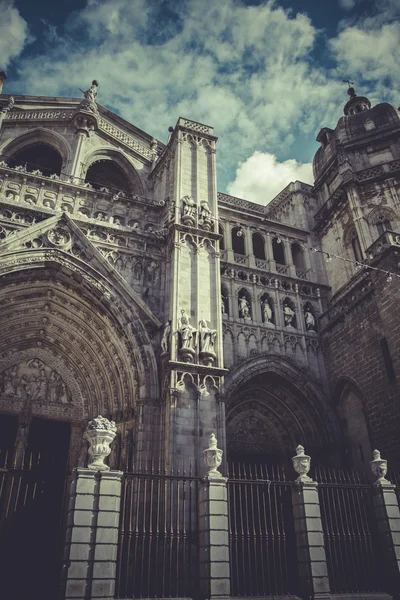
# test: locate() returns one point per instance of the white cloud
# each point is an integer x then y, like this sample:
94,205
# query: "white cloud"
347,4
13,33
261,177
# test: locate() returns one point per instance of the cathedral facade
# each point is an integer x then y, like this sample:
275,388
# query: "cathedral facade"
132,289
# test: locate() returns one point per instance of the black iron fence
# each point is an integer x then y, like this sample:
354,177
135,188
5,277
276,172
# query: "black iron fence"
158,536
351,541
261,531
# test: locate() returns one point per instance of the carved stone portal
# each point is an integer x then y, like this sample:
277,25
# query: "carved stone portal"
34,380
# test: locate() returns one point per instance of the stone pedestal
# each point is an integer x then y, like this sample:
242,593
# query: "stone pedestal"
313,572
214,539
92,535
388,523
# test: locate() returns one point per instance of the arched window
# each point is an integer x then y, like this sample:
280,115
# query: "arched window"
222,241
298,256
355,244
383,224
37,156
352,415
277,249
258,246
108,174
238,240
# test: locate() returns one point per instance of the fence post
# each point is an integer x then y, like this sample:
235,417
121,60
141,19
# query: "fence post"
93,518
387,516
213,526
313,572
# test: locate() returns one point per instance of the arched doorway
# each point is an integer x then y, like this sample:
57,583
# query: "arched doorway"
271,408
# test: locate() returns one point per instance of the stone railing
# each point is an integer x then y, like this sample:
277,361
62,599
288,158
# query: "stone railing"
195,126
262,264
232,202
40,115
125,139
65,194
240,259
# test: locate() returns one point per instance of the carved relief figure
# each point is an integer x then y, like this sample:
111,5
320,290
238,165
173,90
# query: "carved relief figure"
266,311
186,330
34,380
166,338
188,210
205,216
309,319
207,337
288,315
244,308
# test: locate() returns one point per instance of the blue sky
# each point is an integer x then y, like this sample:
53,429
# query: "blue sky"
267,75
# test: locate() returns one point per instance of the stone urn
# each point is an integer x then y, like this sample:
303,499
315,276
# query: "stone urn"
302,464
213,458
379,468
100,433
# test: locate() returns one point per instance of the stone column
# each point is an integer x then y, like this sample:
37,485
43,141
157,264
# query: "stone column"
269,253
214,529
251,261
387,516
90,553
313,572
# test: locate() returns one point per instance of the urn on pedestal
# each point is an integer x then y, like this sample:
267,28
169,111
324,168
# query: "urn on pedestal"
213,458
379,468
100,433
302,464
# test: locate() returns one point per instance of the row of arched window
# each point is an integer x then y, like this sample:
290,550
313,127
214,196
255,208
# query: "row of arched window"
258,247
268,310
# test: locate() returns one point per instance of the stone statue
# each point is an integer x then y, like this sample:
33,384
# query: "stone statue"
91,93
266,311
188,210
224,303
166,338
207,337
186,330
244,308
288,315
309,320
205,216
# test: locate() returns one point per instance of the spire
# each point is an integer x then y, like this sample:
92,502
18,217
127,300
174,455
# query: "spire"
356,103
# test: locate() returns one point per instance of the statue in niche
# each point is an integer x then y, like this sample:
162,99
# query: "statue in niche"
244,308
187,335
309,319
207,339
224,305
166,338
188,211
266,311
288,315
206,220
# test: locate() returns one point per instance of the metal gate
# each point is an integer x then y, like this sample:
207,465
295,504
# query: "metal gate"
351,541
158,536
261,531
31,510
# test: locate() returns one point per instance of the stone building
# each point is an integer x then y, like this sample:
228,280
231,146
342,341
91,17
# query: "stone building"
132,289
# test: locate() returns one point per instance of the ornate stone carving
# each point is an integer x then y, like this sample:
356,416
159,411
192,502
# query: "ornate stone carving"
206,220
187,338
379,468
207,339
288,315
302,464
213,458
266,311
309,319
59,237
35,381
100,433
188,211
166,338
244,309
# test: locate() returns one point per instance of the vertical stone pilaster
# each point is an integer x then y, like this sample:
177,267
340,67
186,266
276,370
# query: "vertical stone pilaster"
92,535
214,527
313,572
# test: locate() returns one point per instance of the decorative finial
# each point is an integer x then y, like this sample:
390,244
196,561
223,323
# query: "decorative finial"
302,464
213,458
100,433
351,91
379,468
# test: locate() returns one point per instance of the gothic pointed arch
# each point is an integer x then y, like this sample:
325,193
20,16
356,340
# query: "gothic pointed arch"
271,406
111,169
32,143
